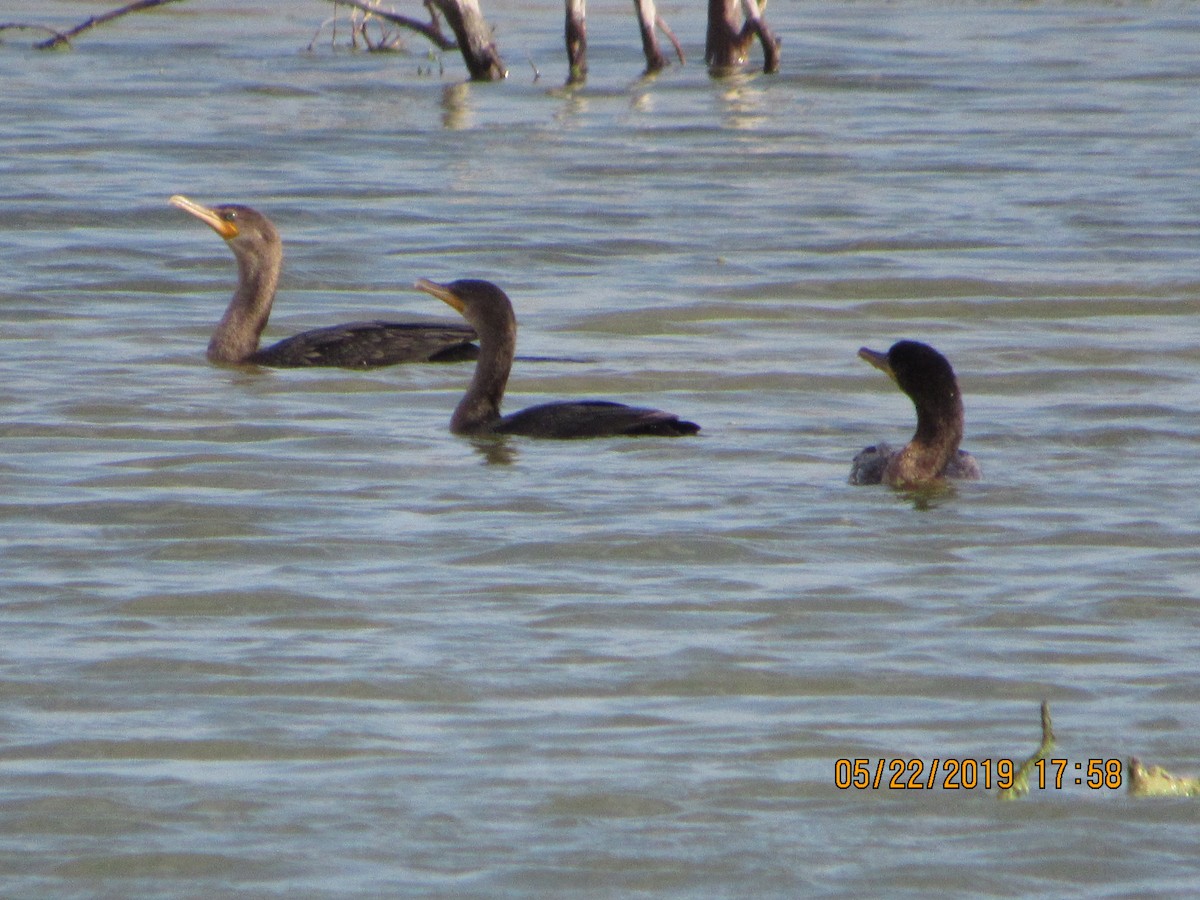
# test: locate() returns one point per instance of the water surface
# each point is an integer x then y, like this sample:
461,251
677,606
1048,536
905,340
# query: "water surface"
278,633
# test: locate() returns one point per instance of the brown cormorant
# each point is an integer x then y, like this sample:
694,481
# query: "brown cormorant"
927,378
355,345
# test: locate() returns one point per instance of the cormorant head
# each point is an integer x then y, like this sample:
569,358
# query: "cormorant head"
920,371
241,226
481,303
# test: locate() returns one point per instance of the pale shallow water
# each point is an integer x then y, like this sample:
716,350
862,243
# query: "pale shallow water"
275,633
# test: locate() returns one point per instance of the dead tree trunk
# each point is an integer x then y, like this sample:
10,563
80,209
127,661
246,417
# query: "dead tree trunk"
474,38
577,41
730,35
647,18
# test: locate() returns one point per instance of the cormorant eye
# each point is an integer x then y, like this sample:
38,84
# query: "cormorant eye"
228,215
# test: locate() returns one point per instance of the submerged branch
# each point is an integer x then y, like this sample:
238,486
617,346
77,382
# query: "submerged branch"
63,38
22,26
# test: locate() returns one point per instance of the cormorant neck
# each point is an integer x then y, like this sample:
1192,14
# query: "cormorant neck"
935,443
237,334
479,408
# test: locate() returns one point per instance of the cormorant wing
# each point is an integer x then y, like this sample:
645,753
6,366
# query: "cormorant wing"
593,418
365,345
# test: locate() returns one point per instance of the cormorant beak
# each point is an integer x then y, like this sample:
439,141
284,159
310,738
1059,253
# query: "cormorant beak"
878,360
209,217
441,291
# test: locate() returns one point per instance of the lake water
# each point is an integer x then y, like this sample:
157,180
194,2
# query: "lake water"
275,633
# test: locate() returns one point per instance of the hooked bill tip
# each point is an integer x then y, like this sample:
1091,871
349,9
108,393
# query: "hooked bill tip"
441,291
875,358
224,226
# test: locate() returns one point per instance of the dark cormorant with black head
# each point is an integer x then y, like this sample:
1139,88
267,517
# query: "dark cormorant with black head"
489,310
355,345
932,454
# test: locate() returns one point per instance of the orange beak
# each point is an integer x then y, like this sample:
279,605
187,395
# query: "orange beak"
441,291
208,216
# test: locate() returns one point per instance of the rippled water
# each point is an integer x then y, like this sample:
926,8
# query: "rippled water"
276,633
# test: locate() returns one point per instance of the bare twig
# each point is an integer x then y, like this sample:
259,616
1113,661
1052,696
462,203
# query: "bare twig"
665,29
388,39
332,21
360,18
431,30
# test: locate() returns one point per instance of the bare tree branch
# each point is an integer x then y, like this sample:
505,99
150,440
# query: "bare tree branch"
430,30
61,38
665,29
